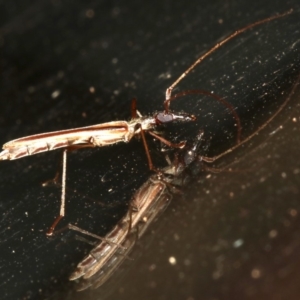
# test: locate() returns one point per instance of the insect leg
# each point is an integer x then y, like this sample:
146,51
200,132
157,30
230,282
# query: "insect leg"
133,109
150,163
130,218
168,143
63,185
63,194
95,236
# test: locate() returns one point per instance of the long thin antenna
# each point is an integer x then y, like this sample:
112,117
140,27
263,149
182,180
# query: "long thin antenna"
218,45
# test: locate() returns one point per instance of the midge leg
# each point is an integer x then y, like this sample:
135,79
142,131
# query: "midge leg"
95,236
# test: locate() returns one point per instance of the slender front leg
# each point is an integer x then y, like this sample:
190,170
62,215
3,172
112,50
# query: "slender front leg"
137,127
168,143
172,145
63,194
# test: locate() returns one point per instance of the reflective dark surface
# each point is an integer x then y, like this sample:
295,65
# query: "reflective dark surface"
234,235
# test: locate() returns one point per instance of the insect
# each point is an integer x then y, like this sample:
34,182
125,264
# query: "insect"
112,132
146,204
148,201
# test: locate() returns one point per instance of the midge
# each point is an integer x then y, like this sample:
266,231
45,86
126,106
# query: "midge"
147,203
117,131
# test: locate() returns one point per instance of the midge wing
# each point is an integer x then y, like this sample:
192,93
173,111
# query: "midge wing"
90,136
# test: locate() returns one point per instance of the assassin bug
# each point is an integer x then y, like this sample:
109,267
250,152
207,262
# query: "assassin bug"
116,131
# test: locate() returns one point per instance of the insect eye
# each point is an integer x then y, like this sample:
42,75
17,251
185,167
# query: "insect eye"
164,117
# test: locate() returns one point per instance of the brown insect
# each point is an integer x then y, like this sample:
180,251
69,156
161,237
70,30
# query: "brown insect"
116,131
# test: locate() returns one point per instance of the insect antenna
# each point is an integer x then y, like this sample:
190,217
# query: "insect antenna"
216,97
218,45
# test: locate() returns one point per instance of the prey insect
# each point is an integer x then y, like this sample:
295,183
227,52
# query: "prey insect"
116,131
146,204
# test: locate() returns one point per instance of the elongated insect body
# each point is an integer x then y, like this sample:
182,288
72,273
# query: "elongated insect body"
152,193
90,136
96,135
147,203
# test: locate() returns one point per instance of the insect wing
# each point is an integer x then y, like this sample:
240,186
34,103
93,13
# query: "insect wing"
90,136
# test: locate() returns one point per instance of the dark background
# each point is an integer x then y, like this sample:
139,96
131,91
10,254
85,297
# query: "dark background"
235,235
